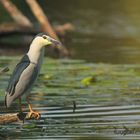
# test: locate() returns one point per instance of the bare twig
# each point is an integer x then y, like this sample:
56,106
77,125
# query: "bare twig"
5,69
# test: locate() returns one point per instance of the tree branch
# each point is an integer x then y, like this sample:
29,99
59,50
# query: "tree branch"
45,24
42,18
16,14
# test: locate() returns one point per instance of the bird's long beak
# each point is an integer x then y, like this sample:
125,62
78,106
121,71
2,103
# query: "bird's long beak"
56,43
58,46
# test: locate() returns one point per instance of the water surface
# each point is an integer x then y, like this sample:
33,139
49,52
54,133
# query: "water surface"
106,96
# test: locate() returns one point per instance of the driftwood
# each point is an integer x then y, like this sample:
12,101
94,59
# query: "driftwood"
4,119
15,117
16,14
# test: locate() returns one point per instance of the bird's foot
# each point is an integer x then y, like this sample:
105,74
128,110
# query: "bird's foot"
21,116
34,114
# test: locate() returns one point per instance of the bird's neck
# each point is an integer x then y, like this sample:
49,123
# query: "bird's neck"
36,54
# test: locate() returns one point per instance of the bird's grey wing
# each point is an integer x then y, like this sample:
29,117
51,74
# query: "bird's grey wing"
20,67
31,79
22,83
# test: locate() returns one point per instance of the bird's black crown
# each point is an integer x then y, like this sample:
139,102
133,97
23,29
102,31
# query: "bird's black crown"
40,34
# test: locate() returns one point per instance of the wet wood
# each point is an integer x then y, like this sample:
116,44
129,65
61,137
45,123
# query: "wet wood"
16,14
16,117
8,118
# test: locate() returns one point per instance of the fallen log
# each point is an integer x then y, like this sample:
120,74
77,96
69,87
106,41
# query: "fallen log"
8,118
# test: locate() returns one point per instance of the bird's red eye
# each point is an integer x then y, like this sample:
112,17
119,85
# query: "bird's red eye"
44,37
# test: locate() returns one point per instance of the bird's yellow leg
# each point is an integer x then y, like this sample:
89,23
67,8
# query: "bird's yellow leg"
32,113
21,115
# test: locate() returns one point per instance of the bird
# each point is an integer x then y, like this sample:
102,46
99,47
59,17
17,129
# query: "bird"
27,70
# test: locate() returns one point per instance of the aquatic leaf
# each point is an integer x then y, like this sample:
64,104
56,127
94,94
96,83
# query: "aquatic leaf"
29,126
48,77
88,80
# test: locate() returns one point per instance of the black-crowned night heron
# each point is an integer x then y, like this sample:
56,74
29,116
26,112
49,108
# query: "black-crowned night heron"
27,69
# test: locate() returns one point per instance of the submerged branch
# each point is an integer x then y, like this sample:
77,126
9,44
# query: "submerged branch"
16,117
8,118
